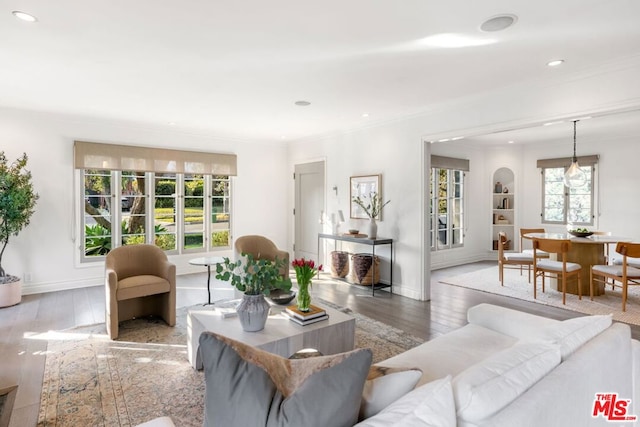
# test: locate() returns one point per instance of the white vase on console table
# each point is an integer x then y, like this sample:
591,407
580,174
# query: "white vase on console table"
372,228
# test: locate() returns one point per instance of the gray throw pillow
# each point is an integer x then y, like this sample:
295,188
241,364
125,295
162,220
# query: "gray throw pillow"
246,386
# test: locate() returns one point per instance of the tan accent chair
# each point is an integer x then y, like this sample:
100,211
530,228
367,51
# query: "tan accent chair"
262,248
7,399
139,281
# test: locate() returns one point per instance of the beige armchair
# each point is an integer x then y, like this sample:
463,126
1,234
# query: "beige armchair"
262,248
139,281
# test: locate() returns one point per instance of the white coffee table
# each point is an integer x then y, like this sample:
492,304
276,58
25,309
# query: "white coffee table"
280,336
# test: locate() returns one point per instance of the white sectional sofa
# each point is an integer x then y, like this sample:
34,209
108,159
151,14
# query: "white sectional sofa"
513,369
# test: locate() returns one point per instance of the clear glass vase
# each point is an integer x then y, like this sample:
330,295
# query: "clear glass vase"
304,297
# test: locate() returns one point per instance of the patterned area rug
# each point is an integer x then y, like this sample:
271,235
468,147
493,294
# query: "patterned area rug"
92,381
517,286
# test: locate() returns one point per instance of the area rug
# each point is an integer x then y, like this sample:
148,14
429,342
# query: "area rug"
90,380
517,286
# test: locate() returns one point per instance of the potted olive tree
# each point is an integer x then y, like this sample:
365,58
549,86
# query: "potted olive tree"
256,278
17,204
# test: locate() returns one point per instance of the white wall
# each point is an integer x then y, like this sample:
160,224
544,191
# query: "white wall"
47,249
394,150
263,190
396,153
618,206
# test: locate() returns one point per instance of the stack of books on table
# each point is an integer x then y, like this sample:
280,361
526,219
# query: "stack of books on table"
315,314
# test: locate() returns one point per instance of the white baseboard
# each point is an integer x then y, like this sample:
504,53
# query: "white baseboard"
459,261
43,287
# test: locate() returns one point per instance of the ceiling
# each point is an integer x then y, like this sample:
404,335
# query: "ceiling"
623,125
236,68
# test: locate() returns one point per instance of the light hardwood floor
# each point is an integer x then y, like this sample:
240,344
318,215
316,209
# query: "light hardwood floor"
22,328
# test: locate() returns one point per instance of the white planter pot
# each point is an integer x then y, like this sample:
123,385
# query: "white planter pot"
10,293
253,312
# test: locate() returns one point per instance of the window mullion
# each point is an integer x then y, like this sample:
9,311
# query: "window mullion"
150,190
180,206
207,213
116,210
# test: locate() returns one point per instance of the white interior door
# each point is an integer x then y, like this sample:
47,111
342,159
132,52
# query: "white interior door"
309,203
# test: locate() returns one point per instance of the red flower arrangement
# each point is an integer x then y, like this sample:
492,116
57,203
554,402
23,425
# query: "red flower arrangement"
305,270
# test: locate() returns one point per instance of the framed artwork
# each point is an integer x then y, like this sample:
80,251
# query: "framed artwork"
363,186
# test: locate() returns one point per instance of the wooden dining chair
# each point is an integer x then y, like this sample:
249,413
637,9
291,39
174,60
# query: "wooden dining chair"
622,275
511,259
523,239
560,270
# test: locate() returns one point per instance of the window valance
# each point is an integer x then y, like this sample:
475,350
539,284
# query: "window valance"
93,155
566,162
441,162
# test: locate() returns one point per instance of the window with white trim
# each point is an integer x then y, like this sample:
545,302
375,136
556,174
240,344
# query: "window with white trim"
179,211
446,195
563,205
177,204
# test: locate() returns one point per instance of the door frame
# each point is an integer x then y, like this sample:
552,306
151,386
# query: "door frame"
322,160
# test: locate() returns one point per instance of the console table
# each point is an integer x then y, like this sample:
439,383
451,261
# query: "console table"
364,241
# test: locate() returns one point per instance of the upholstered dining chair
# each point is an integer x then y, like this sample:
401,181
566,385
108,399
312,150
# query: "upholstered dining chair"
261,247
622,275
514,260
560,270
523,240
139,281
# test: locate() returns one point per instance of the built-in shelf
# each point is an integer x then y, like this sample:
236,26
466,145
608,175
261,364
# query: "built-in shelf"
503,207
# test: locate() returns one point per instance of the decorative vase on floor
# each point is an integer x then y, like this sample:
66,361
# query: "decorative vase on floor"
372,228
10,293
304,297
253,311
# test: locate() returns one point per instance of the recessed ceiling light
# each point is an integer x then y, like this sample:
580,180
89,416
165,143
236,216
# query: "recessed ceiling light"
23,16
365,115
171,123
555,62
498,23
302,103
509,142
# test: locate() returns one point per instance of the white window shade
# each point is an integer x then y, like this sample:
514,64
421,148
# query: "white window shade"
93,155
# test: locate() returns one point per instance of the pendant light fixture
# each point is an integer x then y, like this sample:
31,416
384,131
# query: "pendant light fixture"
574,177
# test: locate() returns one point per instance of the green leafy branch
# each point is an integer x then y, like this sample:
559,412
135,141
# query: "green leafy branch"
253,276
373,207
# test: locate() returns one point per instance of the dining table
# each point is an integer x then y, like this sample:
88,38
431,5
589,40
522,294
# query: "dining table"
586,251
